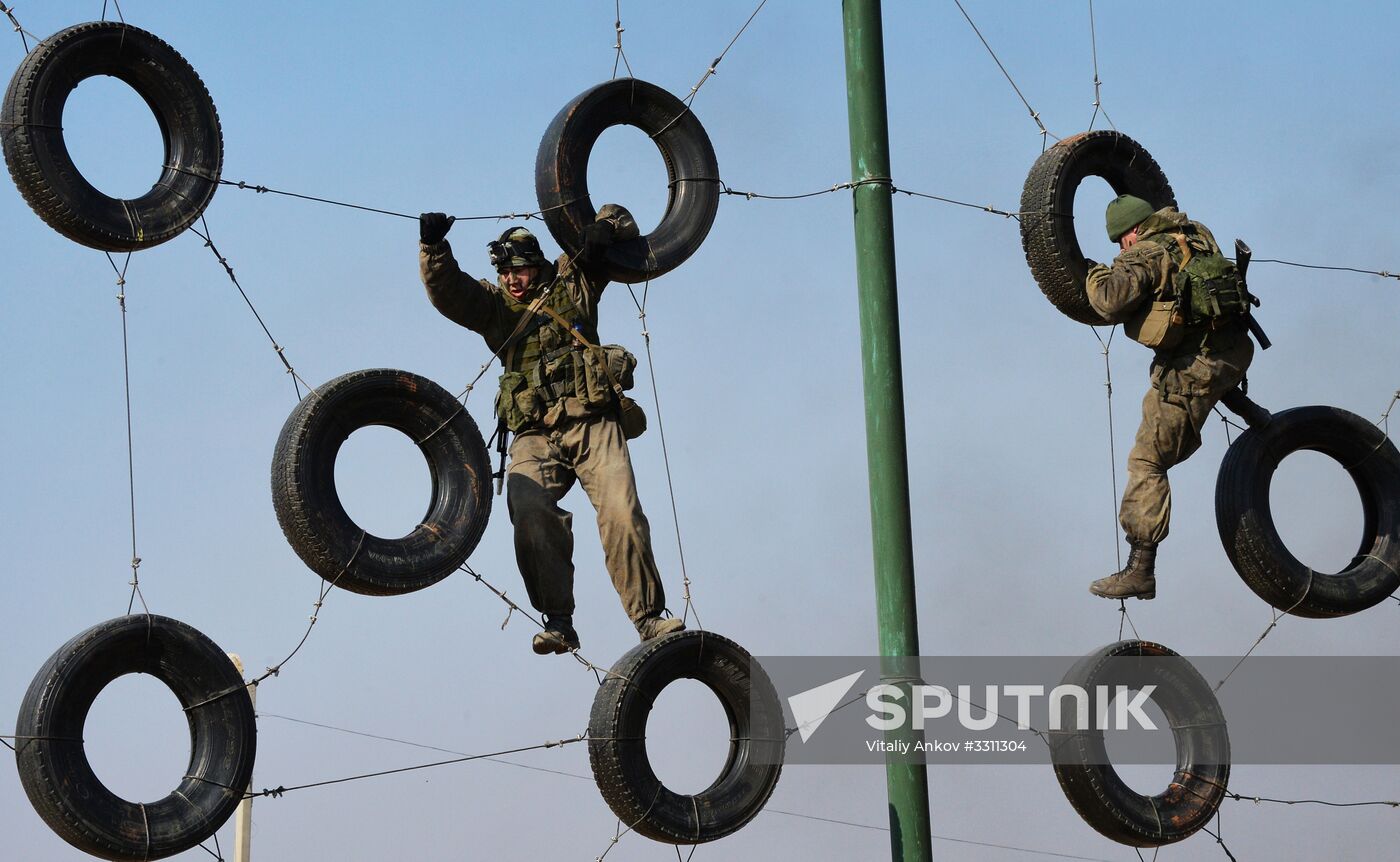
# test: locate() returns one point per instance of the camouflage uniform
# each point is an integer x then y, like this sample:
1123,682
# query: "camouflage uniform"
1187,380
566,429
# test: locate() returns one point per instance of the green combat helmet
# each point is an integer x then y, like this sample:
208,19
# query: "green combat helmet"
1124,213
516,247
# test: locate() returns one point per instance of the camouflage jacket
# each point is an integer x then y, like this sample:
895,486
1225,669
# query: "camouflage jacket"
1136,276
544,376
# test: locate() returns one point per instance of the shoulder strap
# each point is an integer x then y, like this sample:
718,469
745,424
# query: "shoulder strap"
588,345
1185,247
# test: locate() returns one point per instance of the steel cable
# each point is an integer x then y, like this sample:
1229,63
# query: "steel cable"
1044,132
135,582
689,607
23,33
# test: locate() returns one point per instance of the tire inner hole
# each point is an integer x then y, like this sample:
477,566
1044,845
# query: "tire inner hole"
1317,511
1144,759
626,168
687,737
137,738
1090,200
382,479
113,138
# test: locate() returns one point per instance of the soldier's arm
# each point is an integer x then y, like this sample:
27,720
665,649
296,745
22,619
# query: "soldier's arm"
624,227
457,296
1116,292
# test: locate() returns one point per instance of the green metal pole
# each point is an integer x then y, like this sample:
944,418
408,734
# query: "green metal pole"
907,782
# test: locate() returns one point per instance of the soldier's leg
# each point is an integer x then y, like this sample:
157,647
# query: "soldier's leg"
604,468
544,537
1170,432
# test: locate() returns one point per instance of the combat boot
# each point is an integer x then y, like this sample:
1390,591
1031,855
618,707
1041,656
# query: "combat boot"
557,637
654,626
1138,577
1238,403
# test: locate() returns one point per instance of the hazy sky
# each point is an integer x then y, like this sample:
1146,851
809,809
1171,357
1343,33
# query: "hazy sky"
1274,121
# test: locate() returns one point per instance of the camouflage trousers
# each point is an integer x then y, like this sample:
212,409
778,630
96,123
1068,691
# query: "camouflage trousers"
543,467
1185,389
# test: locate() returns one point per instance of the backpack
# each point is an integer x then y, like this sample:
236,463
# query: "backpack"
1204,292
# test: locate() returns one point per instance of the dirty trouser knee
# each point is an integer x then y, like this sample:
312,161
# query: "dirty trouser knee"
604,469
1184,390
1170,432
544,538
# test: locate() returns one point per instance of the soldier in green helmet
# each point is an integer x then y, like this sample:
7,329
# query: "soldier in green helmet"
561,395
1175,292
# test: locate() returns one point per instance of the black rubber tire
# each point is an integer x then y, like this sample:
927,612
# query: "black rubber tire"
1252,541
1202,751
617,748
1047,199
315,521
54,769
43,170
561,175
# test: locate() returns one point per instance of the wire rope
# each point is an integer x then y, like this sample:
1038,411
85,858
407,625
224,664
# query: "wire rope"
1035,115
689,607
135,582
24,35
1098,100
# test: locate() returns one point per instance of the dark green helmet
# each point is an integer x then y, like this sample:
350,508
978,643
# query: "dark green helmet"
516,247
1124,213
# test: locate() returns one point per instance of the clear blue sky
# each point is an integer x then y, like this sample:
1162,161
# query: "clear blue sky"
1274,121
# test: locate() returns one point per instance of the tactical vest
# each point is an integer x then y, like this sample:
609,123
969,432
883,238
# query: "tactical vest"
546,363
1200,291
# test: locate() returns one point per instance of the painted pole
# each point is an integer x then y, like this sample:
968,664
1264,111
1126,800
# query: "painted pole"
907,783
243,816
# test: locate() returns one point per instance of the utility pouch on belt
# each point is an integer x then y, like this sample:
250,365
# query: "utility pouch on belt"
1159,324
516,402
599,367
607,373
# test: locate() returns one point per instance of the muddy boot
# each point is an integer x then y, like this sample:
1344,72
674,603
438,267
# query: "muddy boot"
1239,404
557,637
1137,578
654,627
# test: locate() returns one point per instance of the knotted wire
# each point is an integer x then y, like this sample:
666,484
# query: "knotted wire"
135,582
297,381
1035,115
1098,100
14,22
689,607
709,72
620,56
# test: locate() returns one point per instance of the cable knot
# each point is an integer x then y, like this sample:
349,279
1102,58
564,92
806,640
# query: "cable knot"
275,671
276,792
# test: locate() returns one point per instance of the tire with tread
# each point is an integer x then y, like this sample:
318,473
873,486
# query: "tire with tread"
53,764
315,521
617,738
561,175
38,159
1047,205
1252,541
1202,775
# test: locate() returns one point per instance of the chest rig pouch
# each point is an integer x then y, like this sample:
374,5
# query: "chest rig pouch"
1199,289
1159,323
554,361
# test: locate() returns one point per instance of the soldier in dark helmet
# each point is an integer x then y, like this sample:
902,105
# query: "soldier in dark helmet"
1175,292
561,395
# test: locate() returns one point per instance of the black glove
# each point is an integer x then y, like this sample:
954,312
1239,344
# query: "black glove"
432,227
596,239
